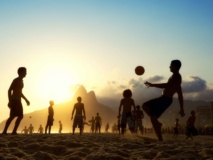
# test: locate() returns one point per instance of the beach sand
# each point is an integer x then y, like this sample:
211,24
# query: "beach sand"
105,146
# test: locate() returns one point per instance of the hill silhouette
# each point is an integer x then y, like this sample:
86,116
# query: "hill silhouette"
62,112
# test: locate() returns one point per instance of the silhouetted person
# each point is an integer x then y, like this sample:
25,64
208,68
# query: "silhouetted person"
31,129
155,107
40,129
25,130
107,127
50,117
92,122
127,103
60,127
15,94
138,116
176,128
190,128
79,115
98,123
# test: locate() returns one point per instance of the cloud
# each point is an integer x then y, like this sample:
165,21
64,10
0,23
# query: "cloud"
194,89
196,85
156,78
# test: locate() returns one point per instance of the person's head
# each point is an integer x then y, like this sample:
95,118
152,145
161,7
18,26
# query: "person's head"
51,102
175,65
79,99
97,114
193,113
22,71
127,93
177,119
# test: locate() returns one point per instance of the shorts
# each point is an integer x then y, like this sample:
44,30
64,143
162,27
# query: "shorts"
158,105
78,121
16,109
97,125
127,118
138,124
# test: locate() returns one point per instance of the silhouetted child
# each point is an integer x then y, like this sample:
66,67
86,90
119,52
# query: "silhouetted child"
138,116
25,130
31,129
79,115
50,117
190,128
176,128
127,103
60,127
156,107
98,123
40,129
15,94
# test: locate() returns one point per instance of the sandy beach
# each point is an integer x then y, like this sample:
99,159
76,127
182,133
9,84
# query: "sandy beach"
105,146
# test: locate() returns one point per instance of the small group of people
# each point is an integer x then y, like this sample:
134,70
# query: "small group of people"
28,130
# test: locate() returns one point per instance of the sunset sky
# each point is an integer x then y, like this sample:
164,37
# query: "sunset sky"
98,44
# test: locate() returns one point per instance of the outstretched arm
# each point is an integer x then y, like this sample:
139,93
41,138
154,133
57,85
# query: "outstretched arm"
160,85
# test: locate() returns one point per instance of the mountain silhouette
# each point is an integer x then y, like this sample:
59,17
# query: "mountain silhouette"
63,111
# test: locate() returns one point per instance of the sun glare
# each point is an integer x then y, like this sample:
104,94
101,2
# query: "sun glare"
55,85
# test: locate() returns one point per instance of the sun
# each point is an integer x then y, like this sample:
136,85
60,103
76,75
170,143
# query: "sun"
55,85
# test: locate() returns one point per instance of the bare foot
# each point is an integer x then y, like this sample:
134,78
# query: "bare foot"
157,127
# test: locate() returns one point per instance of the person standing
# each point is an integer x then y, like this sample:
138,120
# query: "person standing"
190,126
60,126
98,123
50,117
79,115
14,95
138,116
40,129
176,128
126,103
31,129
